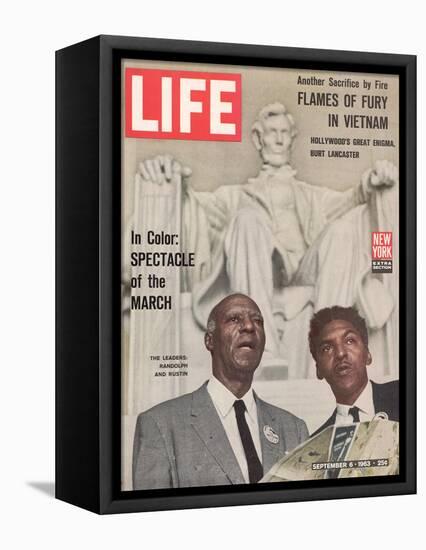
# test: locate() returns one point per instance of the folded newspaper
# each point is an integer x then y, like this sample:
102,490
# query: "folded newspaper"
356,450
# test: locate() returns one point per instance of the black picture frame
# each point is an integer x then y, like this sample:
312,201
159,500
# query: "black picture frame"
88,265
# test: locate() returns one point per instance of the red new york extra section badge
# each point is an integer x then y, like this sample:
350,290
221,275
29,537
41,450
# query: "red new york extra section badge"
381,252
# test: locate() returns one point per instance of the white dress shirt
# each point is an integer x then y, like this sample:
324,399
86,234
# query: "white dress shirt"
365,405
223,401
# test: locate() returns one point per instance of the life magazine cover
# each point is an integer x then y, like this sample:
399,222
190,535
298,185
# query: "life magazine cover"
259,274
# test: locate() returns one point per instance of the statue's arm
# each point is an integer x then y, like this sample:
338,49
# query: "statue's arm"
162,169
382,176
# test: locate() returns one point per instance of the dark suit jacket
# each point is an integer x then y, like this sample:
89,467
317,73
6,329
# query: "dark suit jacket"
182,443
385,399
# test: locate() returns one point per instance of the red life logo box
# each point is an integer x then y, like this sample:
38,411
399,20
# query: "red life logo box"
163,104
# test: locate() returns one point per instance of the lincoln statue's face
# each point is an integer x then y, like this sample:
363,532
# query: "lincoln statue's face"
276,140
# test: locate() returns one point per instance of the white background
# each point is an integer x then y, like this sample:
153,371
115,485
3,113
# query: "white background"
30,33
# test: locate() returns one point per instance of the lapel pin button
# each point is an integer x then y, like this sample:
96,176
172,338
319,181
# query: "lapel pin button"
270,435
381,416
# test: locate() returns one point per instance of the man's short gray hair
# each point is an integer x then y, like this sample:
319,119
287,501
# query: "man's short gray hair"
273,109
211,325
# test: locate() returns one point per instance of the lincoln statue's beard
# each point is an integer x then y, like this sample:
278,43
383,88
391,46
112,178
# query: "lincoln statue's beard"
276,159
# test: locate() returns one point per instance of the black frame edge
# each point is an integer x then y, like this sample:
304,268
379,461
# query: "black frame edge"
77,302
409,269
252,51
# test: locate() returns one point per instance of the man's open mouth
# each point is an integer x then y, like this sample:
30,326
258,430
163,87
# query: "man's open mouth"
248,344
343,368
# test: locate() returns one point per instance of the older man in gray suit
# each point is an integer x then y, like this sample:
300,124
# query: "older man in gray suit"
222,433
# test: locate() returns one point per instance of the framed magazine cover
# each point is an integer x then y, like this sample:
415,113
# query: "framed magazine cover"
235,274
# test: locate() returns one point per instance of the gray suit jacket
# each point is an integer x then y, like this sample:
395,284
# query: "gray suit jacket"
182,443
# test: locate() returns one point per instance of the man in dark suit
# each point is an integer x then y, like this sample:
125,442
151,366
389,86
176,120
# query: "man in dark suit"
338,340
222,433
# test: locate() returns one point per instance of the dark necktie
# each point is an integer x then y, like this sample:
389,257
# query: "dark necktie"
354,411
255,469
